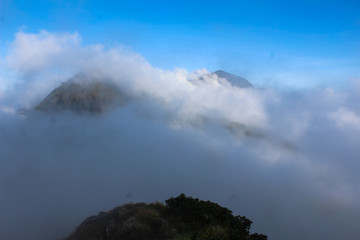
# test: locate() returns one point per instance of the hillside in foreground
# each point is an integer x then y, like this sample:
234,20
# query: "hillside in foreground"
181,218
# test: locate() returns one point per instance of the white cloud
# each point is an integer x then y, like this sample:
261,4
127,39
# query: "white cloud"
346,118
34,52
46,59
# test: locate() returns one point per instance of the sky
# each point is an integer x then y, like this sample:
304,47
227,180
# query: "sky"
286,44
283,153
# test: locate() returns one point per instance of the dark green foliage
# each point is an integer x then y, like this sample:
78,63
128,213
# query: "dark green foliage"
213,233
208,220
182,218
151,224
158,206
193,211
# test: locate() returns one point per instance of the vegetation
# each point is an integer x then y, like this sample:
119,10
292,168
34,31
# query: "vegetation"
181,218
205,220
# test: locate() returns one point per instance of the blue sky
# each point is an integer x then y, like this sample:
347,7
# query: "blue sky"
291,43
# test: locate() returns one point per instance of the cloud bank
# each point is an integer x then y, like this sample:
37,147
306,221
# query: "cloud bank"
286,160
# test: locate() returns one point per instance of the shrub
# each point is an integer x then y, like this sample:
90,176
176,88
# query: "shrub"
149,217
197,215
213,233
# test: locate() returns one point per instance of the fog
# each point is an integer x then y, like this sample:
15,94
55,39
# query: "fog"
286,159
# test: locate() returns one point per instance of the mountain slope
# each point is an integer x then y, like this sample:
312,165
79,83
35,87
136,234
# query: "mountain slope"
82,95
233,79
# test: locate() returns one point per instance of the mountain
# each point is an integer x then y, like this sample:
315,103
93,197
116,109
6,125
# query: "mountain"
82,95
182,218
233,79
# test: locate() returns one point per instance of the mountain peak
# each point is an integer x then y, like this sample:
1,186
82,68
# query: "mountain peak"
233,79
81,96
